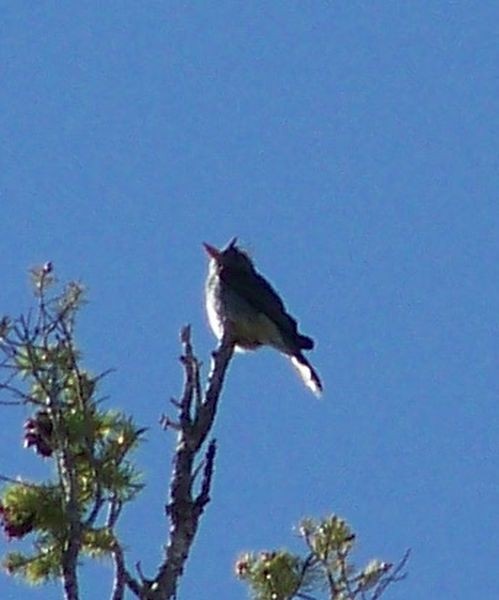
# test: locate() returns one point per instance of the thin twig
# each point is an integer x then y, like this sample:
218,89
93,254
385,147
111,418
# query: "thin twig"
19,482
204,495
122,577
393,576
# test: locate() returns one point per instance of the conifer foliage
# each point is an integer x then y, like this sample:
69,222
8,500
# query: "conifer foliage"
76,509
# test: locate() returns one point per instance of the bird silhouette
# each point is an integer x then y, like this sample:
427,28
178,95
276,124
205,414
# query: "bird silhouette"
239,298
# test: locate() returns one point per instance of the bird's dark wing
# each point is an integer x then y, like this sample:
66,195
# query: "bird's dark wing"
258,292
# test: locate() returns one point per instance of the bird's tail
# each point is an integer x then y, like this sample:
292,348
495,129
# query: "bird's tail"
307,373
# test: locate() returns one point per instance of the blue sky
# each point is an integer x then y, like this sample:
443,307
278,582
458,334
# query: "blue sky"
353,149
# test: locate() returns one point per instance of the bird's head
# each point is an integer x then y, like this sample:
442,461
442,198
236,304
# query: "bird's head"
231,257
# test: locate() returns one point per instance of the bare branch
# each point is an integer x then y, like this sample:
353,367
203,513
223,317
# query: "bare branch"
11,403
18,481
122,577
204,495
393,576
184,508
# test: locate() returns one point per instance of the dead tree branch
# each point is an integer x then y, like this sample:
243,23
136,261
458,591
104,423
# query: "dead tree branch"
187,502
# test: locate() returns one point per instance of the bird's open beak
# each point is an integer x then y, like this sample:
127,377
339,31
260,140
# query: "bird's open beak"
212,251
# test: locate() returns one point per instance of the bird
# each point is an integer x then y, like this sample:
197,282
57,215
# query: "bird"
242,301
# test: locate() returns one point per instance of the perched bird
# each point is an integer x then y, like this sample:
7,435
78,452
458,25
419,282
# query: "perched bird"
239,298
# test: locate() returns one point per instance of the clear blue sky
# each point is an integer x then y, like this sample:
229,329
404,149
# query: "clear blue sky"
353,147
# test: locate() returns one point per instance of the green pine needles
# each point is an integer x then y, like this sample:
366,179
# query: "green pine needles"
325,571
76,510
